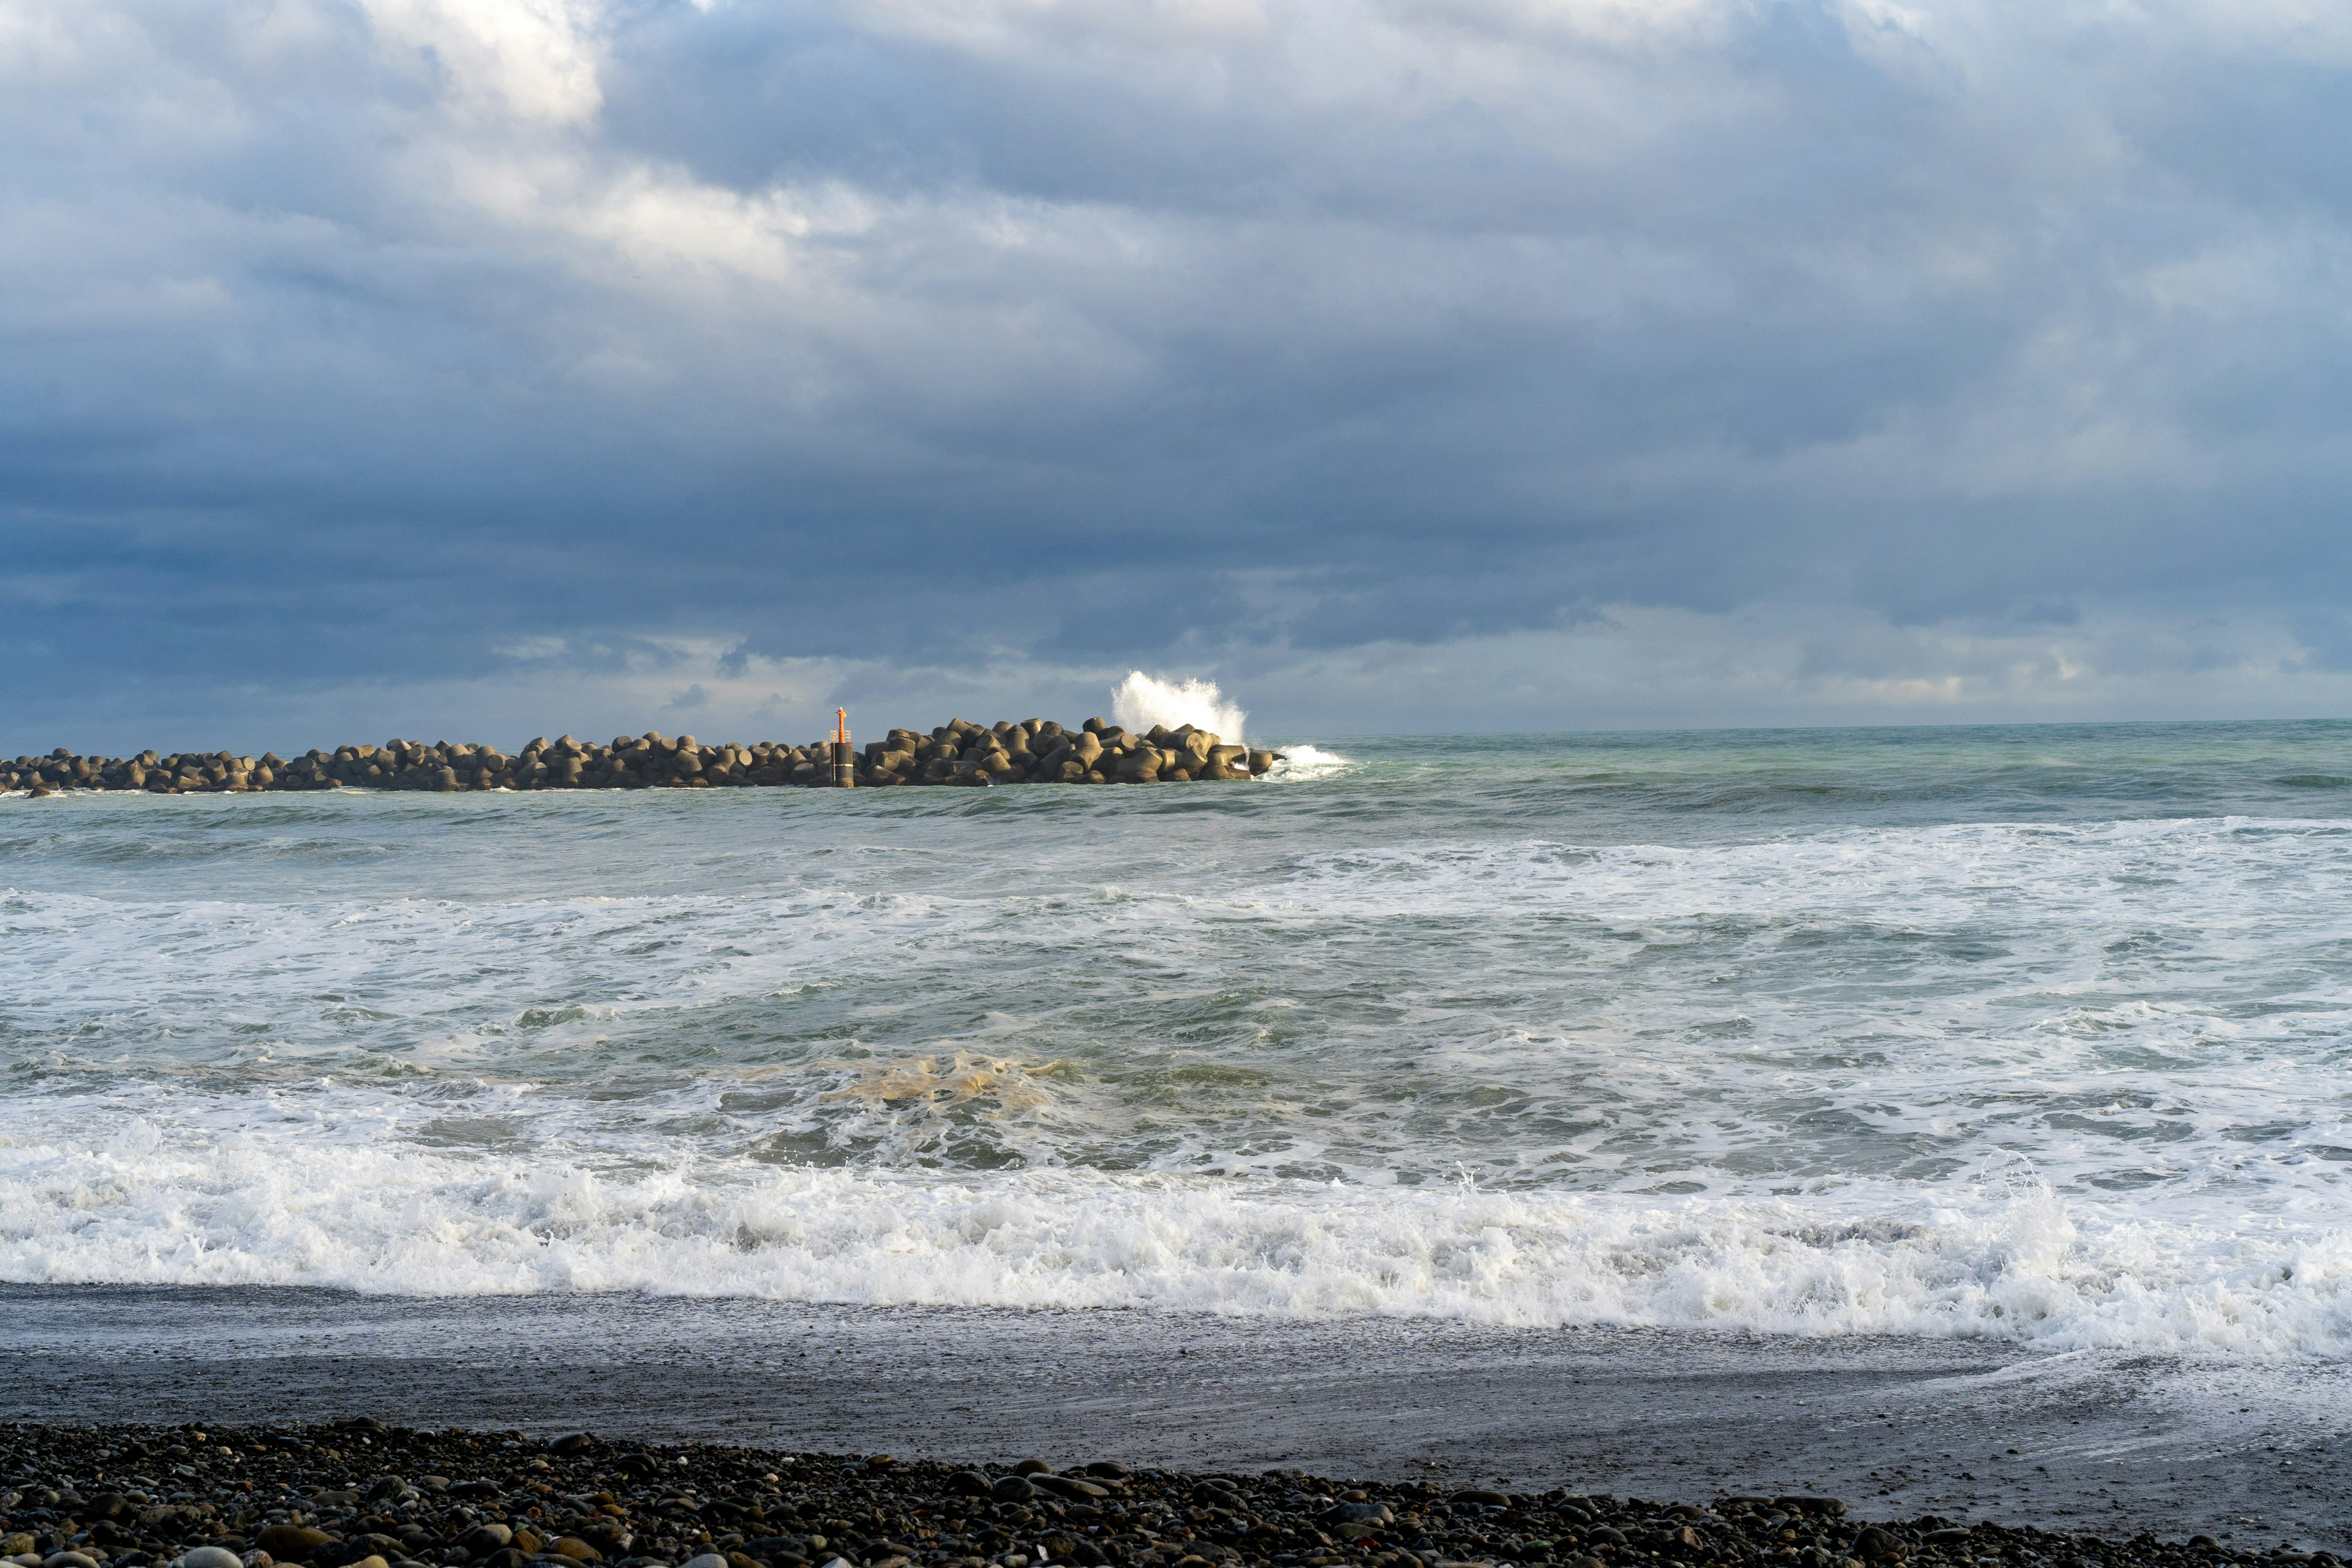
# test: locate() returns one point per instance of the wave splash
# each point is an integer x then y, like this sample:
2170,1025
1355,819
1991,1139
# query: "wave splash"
1303,763
2014,1263
1142,700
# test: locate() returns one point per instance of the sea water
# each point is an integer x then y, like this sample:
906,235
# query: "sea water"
2034,1033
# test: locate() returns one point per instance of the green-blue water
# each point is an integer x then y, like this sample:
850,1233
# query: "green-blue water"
2037,1032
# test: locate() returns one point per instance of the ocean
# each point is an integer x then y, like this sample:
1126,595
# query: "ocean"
2030,1035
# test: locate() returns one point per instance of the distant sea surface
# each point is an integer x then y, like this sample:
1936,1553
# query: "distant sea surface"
2039,1034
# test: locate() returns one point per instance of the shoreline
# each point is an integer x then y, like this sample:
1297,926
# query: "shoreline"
362,1493
2107,1446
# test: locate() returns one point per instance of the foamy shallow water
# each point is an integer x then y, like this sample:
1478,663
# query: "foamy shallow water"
2031,1033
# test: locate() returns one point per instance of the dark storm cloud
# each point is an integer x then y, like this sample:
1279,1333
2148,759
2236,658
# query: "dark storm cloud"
364,347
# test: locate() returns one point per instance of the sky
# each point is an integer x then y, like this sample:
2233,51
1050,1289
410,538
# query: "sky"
477,369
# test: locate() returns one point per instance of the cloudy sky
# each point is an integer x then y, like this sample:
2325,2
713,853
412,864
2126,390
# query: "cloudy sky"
490,367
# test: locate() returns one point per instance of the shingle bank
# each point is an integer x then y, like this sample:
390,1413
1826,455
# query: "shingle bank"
957,752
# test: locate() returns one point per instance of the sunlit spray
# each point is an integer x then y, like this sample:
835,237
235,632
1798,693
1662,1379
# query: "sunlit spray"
1142,700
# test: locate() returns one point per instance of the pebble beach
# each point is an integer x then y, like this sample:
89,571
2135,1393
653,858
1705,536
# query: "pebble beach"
361,1494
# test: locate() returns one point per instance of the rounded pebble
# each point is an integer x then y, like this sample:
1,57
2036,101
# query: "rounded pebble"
711,1505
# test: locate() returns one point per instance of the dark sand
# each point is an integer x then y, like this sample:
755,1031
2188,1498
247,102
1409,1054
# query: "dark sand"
2103,1444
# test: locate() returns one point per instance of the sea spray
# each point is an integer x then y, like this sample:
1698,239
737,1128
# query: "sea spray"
1142,700
1301,763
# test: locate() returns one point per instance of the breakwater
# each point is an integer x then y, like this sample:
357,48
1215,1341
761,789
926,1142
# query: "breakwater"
959,752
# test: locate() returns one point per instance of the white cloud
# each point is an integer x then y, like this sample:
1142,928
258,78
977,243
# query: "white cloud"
535,61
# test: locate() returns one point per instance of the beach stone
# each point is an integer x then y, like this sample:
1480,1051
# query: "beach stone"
707,1560
483,1539
371,1560
968,1483
1807,1504
291,1542
69,1560
1012,1488
1068,1486
579,1551
17,1544
1872,1544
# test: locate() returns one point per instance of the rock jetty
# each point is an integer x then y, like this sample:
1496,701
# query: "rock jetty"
359,1494
1034,750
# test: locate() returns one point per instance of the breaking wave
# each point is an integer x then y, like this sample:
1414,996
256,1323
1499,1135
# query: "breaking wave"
1142,700
2017,1264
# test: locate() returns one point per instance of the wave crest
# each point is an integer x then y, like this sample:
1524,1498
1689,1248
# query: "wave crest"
2015,1264
1142,700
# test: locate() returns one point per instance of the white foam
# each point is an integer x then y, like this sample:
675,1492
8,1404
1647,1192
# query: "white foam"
1303,763
2079,1085
330,1204
1142,700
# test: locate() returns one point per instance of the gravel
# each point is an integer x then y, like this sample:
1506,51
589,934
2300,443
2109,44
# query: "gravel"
360,1494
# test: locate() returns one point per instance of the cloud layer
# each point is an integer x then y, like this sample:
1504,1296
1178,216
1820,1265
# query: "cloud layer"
1404,362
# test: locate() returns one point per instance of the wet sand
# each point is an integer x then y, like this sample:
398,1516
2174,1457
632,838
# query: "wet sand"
1972,1430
